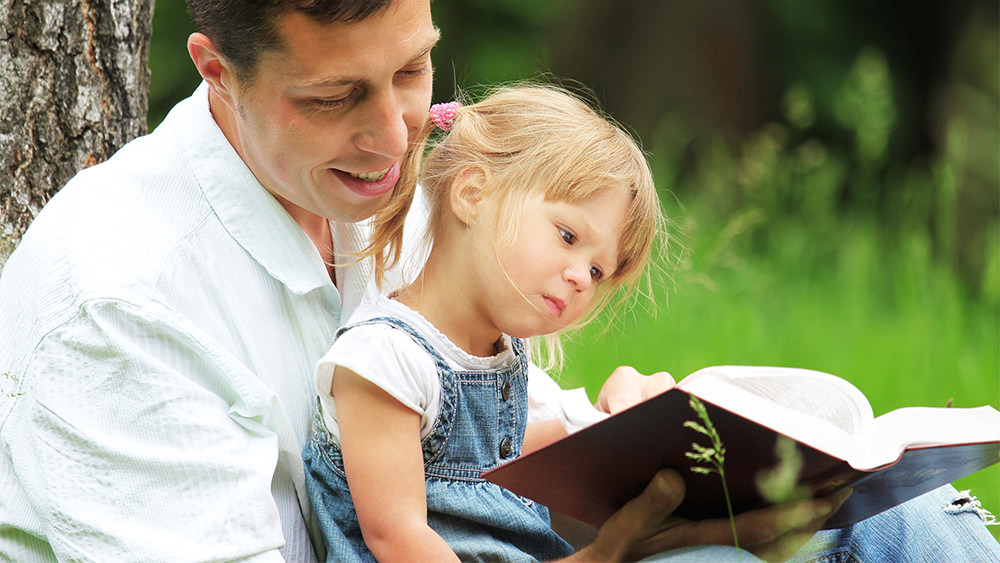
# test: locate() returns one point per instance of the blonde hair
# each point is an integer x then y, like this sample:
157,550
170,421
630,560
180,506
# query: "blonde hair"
540,139
531,139
386,242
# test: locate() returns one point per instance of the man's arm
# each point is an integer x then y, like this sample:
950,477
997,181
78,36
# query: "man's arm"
131,439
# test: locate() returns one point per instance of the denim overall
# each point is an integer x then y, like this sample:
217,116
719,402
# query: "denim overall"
480,425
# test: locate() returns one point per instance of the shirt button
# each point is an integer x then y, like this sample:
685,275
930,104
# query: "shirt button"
505,448
505,390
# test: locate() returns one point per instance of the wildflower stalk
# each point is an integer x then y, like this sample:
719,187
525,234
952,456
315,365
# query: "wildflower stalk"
714,458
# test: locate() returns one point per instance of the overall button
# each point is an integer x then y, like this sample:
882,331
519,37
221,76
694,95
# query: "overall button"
505,448
505,391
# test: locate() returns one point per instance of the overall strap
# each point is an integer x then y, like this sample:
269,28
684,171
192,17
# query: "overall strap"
432,444
403,326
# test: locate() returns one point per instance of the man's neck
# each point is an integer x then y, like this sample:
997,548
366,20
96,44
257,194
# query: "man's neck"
316,227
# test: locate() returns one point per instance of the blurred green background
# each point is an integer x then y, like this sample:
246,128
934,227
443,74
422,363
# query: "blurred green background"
830,168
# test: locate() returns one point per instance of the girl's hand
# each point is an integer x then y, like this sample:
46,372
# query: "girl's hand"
540,434
627,387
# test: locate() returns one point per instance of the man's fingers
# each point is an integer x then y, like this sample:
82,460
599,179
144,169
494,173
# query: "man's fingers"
765,525
664,493
656,504
787,543
634,531
789,528
661,531
646,525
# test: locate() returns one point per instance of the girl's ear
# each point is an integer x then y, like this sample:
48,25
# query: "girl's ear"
466,193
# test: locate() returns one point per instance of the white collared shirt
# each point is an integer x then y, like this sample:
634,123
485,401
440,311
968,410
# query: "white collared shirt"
163,316
160,323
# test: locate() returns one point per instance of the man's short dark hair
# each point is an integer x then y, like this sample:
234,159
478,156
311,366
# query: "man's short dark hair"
242,30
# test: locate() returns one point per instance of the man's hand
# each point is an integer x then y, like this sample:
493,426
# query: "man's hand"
627,387
645,526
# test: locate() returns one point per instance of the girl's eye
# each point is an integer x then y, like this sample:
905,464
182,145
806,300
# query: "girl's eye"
596,274
568,236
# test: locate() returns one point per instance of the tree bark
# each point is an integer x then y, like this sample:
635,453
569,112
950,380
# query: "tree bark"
74,79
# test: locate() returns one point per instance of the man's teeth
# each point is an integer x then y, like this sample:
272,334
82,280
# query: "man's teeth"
371,176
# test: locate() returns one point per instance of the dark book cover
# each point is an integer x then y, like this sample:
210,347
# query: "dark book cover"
592,473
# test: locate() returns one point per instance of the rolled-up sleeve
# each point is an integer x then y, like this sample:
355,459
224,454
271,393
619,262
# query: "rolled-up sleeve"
134,440
159,324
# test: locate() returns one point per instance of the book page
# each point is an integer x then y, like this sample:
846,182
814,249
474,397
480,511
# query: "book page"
816,394
906,427
812,407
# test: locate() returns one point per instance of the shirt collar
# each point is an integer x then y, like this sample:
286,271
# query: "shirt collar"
248,211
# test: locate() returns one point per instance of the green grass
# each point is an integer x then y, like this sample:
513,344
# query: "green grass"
887,318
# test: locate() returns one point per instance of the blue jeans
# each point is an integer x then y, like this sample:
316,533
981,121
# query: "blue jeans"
915,531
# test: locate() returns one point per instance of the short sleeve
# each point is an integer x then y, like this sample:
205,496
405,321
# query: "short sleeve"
390,359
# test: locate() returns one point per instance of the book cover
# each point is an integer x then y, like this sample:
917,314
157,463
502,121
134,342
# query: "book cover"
590,474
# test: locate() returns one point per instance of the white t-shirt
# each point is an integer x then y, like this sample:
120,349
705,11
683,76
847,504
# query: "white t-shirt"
401,367
396,363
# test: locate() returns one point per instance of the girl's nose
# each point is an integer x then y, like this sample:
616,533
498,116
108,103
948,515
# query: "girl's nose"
578,274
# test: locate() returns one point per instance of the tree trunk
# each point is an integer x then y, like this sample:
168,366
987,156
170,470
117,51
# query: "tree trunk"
74,80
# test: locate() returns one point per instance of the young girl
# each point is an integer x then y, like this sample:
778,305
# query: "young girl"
541,210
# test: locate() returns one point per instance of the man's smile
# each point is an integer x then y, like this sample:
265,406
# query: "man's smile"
371,176
370,184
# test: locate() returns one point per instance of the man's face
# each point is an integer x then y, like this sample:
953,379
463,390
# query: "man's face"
339,101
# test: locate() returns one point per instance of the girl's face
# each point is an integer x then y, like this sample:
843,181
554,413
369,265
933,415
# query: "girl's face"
548,276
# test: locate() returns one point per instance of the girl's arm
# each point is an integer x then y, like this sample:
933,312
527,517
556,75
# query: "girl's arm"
380,438
542,433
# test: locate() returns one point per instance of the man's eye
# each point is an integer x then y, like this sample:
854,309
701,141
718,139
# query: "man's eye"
567,235
596,274
331,103
418,71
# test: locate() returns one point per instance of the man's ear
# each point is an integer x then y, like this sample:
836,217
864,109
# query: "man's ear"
212,67
466,193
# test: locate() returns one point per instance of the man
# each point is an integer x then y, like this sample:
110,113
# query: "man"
160,320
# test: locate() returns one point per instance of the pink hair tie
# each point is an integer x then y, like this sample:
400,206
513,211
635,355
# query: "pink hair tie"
443,115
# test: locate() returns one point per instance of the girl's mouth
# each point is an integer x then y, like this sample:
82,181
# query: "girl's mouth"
555,305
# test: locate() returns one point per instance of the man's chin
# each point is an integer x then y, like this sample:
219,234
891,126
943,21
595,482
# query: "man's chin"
355,211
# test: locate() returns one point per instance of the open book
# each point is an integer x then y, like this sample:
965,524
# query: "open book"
839,443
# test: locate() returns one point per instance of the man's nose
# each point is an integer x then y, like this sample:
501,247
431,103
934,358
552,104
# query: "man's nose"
384,132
